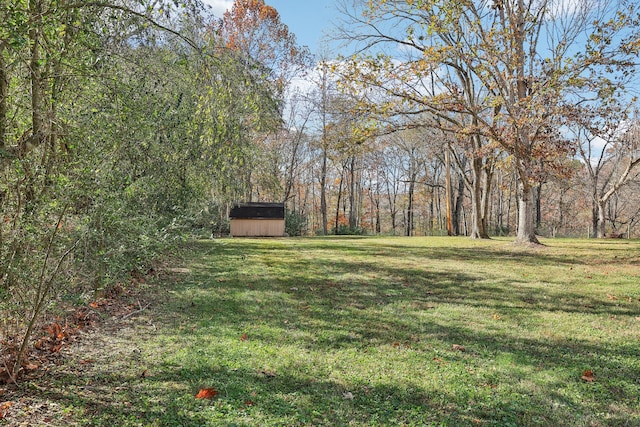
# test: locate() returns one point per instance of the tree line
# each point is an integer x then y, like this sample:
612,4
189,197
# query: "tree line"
470,118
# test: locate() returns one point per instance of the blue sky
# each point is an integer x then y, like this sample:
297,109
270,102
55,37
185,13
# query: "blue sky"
309,20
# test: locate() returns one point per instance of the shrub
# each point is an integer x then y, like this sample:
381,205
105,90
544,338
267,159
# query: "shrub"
295,224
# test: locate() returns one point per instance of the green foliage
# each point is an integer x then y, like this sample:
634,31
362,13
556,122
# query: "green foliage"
207,222
123,124
295,224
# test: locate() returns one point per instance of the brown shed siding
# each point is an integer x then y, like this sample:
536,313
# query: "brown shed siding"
257,220
257,227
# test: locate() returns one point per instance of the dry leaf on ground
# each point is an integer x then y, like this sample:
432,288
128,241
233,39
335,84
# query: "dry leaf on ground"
206,393
588,376
4,407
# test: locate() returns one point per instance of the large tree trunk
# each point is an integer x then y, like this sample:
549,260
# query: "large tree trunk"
478,229
526,220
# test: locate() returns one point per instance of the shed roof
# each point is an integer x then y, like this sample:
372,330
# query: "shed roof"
257,211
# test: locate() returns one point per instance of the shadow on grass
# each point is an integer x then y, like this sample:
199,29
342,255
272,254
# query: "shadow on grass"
333,299
334,302
252,396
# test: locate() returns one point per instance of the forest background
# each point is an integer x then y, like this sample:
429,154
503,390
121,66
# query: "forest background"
128,125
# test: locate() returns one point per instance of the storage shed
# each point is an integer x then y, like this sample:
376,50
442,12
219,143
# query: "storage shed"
257,220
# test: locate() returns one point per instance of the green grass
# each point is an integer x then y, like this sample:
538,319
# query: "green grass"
361,331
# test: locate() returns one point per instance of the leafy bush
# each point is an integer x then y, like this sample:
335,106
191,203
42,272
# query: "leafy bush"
295,224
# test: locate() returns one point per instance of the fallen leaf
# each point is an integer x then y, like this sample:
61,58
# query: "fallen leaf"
248,402
244,337
588,376
31,366
56,331
612,297
497,317
348,395
4,407
86,361
437,360
396,344
458,347
206,393
93,304
144,374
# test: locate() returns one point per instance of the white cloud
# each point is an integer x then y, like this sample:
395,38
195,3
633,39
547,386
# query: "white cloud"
218,7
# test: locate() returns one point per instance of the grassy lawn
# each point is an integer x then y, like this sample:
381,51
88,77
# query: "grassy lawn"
370,331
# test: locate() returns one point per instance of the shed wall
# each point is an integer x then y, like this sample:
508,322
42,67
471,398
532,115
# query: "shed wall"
257,227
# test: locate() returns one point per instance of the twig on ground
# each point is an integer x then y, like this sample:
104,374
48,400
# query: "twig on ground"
9,371
136,311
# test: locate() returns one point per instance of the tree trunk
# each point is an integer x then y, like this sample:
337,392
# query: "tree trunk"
352,194
410,208
538,194
478,229
487,183
4,94
323,193
594,217
526,221
447,193
337,223
602,219
458,207
36,76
